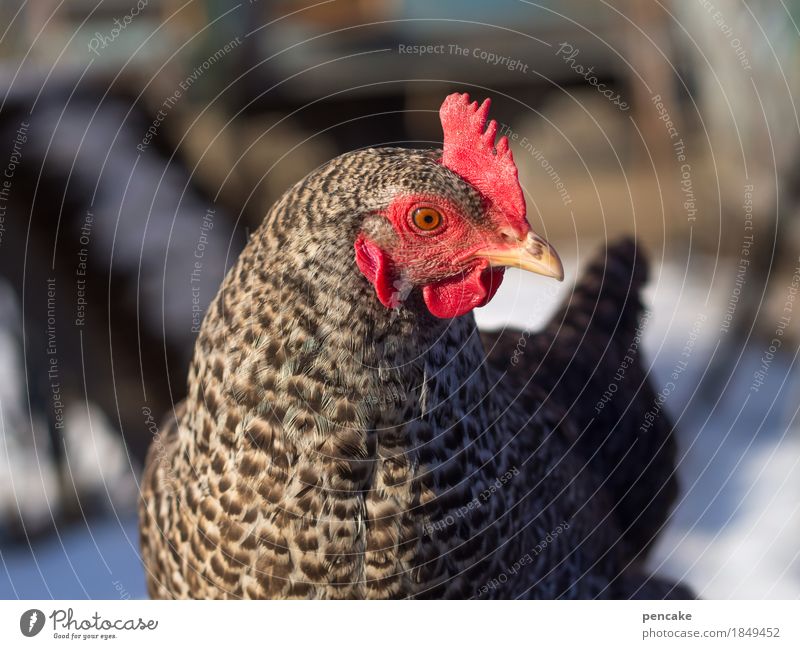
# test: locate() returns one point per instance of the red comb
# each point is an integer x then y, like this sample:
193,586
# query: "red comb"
471,152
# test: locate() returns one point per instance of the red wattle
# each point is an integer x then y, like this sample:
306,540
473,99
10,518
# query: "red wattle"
458,295
374,264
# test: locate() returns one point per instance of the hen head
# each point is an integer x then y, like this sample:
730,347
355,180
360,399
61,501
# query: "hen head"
453,222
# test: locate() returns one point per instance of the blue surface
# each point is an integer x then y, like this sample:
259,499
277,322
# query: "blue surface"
94,560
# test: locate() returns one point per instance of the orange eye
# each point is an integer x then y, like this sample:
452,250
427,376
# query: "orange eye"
426,218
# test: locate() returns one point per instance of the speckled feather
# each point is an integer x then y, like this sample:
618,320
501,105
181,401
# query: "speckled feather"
330,447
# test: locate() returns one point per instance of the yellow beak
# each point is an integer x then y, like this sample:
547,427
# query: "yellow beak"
533,254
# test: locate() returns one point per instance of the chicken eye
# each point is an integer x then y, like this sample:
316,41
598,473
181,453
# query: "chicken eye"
426,218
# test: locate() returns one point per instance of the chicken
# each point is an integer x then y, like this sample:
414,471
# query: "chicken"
348,434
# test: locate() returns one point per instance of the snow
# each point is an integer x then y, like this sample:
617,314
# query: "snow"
93,560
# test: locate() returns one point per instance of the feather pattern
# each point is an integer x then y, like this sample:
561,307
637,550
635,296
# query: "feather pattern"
330,447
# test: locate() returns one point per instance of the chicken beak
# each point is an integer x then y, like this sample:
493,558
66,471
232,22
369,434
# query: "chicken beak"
533,254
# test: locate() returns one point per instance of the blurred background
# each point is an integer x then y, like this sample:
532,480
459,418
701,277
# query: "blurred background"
142,140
